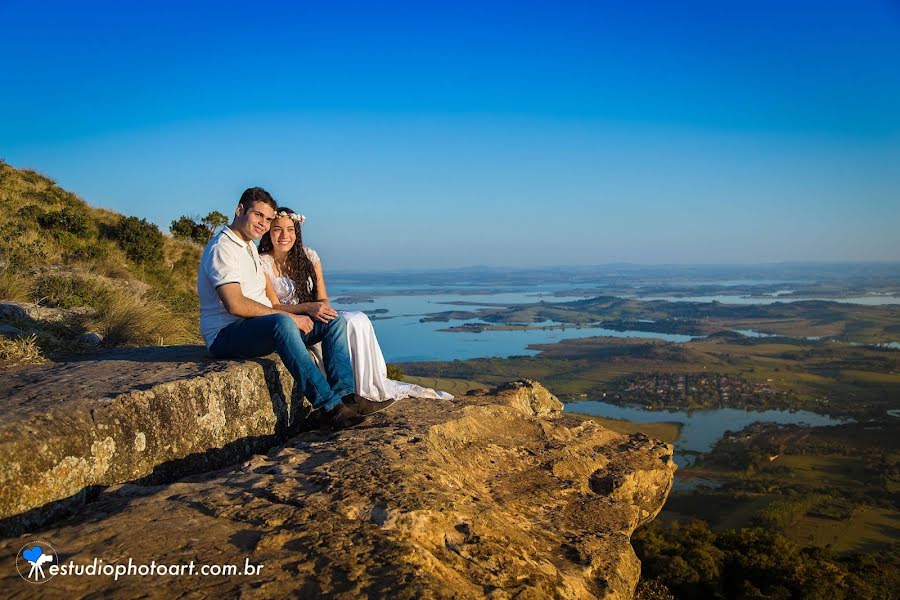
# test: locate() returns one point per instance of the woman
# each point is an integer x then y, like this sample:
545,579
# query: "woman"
295,284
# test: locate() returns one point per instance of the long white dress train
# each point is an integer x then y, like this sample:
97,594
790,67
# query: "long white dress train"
369,367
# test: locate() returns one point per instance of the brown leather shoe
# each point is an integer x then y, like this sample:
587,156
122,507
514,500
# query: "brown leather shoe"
365,407
342,417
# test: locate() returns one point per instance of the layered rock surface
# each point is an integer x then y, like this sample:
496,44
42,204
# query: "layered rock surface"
134,415
496,494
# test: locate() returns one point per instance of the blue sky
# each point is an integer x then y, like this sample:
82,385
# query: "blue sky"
427,134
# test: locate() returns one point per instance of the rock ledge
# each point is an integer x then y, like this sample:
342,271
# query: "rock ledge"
494,495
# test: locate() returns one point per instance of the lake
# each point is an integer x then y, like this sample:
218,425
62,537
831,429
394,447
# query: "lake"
404,338
701,428
879,300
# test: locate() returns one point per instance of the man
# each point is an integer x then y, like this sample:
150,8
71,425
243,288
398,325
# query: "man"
237,319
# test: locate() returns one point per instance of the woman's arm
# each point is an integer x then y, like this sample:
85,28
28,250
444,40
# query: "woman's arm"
320,282
321,310
270,291
305,308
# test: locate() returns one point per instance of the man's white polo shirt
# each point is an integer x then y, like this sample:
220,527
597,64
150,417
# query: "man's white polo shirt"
227,259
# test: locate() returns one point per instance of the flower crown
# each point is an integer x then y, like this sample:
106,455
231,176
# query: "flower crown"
299,219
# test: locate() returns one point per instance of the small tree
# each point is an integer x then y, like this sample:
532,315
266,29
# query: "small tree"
214,220
186,228
141,240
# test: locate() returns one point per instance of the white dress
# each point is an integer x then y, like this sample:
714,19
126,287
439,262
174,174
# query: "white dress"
369,367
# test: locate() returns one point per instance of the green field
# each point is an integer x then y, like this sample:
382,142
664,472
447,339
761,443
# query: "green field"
665,431
867,530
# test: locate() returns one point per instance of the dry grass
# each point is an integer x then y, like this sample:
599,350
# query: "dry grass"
23,350
13,286
131,320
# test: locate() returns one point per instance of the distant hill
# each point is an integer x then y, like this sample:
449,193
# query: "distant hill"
67,269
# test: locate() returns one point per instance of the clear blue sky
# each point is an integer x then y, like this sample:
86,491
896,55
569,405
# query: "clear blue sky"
438,134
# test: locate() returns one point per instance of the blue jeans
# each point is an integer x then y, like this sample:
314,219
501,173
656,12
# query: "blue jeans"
259,336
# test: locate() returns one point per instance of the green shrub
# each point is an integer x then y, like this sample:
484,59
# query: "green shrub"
141,240
19,253
185,302
68,220
30,214
394,372
66,291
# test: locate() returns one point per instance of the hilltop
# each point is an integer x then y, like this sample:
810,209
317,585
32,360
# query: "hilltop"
70,269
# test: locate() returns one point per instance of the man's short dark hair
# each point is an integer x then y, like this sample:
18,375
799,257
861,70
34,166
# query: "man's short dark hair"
254,195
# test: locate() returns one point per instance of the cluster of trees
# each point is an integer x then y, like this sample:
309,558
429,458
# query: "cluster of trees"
197,230
692,561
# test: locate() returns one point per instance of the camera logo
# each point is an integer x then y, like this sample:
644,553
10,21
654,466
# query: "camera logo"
32,560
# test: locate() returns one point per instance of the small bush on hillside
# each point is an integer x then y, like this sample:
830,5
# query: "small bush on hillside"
101,257
68,220
30,213
20,248
394,372
65,291
183,302
141,240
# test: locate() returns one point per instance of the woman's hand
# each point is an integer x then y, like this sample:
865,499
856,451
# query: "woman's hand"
303,322
321,311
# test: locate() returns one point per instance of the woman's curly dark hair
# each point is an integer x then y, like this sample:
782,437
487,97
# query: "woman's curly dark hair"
297,265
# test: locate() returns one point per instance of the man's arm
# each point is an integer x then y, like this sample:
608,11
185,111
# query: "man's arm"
237,304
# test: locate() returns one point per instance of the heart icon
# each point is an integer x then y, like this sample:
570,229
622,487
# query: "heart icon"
32,554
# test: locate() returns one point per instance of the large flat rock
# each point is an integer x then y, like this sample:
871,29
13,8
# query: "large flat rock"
497,495
136,415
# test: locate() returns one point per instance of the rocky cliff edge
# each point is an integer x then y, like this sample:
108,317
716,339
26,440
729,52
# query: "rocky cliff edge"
497,494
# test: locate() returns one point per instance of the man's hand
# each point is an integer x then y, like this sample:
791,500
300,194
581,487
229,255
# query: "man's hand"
303,322
321,311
